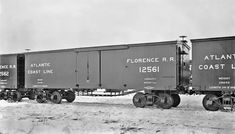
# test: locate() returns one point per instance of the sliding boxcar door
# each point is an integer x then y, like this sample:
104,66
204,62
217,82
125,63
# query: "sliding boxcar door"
88,70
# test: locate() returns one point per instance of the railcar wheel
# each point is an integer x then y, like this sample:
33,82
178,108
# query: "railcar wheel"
40,98
139,100
1,96
56,97
165,100
70,96
211,103
176,99
31,95
17,96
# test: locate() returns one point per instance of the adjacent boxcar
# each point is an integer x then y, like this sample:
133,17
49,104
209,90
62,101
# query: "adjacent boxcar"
11,76
8,71
213,70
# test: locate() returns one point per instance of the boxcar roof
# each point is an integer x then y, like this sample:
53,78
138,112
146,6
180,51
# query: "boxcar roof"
213,39
125,46
9,54
104,48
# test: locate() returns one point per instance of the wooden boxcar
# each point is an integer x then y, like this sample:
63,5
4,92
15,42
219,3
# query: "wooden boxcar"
213,71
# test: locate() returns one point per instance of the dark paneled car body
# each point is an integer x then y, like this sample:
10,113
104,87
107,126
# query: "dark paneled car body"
213,64
8,71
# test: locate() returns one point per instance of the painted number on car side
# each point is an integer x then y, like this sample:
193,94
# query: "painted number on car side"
149,69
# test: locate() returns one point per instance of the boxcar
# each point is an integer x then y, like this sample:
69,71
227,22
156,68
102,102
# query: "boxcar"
213,71
155,68
11,76
8,71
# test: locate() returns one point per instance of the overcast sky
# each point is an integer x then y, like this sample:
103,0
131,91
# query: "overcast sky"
58,24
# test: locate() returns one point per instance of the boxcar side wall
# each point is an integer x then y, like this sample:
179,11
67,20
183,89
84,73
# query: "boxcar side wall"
142,67
50,70
146,67
213,65
8,71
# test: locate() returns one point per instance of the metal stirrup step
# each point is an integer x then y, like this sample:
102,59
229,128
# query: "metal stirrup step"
227,103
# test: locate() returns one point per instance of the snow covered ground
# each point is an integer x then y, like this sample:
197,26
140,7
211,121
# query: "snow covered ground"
115,115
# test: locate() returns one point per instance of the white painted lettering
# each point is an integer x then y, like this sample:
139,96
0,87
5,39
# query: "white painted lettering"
164,59
211,67
232,66
206,58
149,69
149,60
4,73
